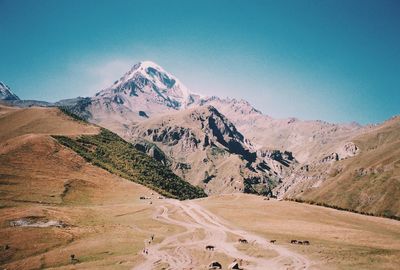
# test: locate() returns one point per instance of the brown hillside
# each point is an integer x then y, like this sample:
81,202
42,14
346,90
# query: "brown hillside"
15,122
71,207
370,181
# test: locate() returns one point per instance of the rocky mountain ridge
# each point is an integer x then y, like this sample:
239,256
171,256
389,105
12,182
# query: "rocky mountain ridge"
207,150
6,93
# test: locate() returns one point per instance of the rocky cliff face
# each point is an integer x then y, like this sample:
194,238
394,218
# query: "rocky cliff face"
309,141
206,149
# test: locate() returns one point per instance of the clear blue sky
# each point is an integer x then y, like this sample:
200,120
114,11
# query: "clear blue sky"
335,60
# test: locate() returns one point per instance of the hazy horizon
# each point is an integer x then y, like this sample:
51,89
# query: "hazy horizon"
310,60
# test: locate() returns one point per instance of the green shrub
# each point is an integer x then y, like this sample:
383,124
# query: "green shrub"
66,111
110,152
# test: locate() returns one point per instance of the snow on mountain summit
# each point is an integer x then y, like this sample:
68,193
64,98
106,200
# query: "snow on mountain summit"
6,94
150,79
148,90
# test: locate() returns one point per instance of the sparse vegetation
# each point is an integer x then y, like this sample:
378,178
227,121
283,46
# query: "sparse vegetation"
386,214
110,152
68,112
253,186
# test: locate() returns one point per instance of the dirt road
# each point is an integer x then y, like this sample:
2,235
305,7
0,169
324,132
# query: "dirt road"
186,250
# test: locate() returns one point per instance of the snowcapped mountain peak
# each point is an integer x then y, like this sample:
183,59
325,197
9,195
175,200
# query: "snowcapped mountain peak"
144,91
147,77
150,64
6,94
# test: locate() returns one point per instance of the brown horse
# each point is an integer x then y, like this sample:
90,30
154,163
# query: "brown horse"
243,241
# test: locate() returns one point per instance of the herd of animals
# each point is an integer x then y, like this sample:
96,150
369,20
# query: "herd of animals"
236,264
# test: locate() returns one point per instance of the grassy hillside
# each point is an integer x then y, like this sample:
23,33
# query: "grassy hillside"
369,182
339,240
107,150
36,120
106,223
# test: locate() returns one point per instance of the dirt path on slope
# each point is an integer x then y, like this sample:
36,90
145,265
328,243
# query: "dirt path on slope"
186,250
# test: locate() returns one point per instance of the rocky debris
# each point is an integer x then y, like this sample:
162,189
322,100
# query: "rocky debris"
37,222
349,149
330,158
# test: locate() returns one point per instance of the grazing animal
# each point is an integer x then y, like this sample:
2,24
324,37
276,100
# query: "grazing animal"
215,265
244,241
306,242
272,241
74,260
293,241
209,247
234,266
300,242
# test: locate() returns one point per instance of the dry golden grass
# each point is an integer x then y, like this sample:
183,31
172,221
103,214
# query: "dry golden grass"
370,181
16,122
106,222
339,240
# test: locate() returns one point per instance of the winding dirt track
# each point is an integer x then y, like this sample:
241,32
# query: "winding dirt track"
186,250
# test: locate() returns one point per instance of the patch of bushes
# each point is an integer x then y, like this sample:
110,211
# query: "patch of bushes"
253,185
110,152
67,111
386,214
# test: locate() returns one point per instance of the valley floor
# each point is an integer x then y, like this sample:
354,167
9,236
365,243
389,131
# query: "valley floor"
339,239
114,235
186,250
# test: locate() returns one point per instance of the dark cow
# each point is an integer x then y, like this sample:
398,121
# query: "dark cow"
215,265
306,242
209,247
293,241
272,241
243,241
73,259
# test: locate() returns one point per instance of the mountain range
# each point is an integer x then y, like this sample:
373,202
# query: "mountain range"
225,145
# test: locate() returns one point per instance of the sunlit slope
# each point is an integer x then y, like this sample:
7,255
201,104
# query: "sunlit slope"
99,216
339,239
368,182
107,150
15,122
